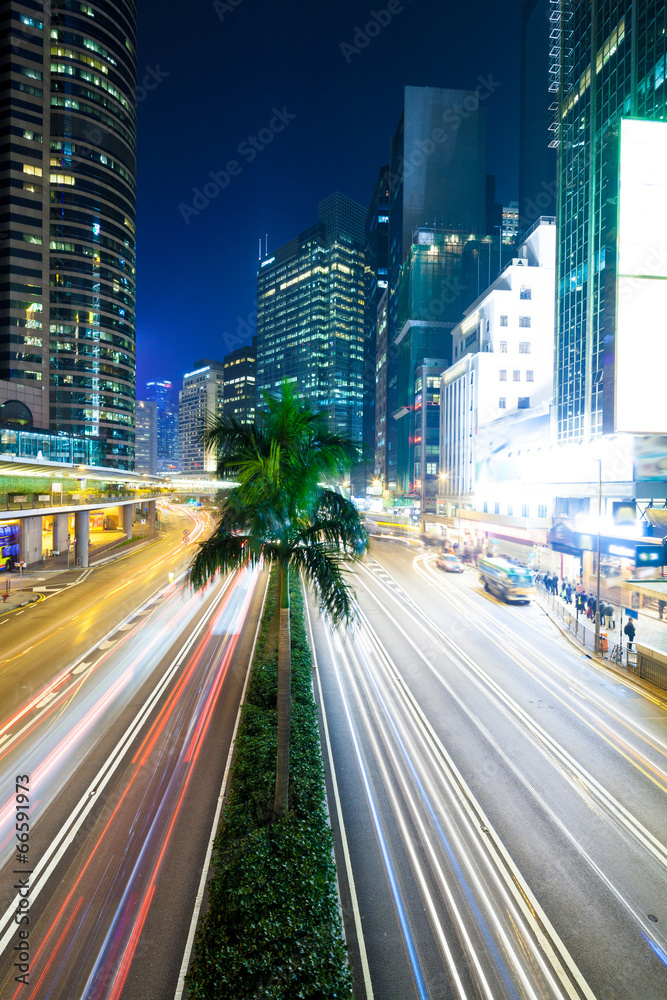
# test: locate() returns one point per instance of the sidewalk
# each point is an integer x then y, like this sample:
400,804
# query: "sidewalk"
16,600
649,631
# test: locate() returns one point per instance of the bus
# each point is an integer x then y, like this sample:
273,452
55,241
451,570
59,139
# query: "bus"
506,580
9,545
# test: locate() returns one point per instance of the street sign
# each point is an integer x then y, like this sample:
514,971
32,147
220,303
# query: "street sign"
21,563
185,533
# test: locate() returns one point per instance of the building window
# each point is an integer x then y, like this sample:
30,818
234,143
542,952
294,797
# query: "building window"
496,508
525,510
488,325
523,402
516,375
503,320
502,375
510,510
524,321
542,510
503,347
485,507
530,376
524,347
502,403
525,293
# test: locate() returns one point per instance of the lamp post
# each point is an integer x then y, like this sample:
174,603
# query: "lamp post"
597,601
443,477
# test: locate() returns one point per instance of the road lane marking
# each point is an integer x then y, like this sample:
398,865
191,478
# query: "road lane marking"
359,931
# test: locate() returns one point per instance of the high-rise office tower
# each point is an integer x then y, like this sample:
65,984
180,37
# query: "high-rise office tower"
538,119
163,395
611,64
376,276
67,218
310,315
240,383
200,401
437,178
146,436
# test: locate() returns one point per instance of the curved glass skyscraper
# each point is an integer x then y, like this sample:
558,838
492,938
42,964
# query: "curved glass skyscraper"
67,314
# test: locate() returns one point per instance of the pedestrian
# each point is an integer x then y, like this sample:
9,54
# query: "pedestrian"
568,593
608,612
630,632
581,602
661,609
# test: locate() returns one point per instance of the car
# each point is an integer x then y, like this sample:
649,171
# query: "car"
450,564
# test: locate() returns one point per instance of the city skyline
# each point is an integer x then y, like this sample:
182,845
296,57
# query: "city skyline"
215,252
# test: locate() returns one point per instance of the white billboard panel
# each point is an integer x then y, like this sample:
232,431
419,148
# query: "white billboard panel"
640,362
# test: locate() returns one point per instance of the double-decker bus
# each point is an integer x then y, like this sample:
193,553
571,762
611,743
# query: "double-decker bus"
505,579
9,545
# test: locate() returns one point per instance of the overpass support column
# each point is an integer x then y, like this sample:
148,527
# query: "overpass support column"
82,535
60,532
30,540
128,517
151,515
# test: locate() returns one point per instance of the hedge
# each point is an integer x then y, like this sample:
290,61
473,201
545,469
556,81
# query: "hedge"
272,930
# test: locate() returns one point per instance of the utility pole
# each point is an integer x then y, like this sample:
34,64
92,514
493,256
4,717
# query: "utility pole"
597,603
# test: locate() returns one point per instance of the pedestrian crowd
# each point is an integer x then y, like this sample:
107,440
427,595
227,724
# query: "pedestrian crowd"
585,604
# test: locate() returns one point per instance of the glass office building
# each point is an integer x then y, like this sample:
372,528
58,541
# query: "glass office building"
67,201
310,315
609,62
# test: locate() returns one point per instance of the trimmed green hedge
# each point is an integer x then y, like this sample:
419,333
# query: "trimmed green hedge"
273,930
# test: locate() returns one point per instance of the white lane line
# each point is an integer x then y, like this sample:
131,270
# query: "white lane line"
189,944
46,699
65,836
497,858
368,985
564,762
81,668
108,643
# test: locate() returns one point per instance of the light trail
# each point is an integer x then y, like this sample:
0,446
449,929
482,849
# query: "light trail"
586,787
185,722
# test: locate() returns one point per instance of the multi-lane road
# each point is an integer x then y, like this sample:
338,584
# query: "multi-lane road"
498,799
119,695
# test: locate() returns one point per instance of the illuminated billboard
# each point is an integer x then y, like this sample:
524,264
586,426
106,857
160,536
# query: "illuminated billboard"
640,356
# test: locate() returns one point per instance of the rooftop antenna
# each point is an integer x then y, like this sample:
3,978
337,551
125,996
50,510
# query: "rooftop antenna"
260,248
266,244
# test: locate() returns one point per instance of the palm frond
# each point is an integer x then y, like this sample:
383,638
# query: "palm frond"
336,521
222,552
323,570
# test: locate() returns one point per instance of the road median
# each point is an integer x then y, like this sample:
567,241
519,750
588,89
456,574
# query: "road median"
272,928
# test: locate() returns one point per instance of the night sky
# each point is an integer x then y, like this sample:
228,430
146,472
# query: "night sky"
212,75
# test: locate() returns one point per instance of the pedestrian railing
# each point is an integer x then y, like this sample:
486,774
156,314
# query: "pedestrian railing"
652,668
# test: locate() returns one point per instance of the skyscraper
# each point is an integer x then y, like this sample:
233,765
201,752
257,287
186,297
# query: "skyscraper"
538,118
162,394
240,383
146,437
200,400
437,178
376,279
611,63
310,315
67,214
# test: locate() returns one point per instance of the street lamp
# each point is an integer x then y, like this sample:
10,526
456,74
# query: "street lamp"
443,477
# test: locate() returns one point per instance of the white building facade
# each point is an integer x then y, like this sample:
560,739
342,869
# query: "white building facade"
502,361
200,400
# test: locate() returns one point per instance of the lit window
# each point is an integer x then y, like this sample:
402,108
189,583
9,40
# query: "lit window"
502,375
524,347
516,375
503,347
525,293
502,403
503,321
28,168
529,376
62,179
524,321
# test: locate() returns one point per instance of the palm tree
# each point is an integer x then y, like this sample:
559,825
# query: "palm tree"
281,511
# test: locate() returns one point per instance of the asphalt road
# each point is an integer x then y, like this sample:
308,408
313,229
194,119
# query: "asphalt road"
502,798
124,753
